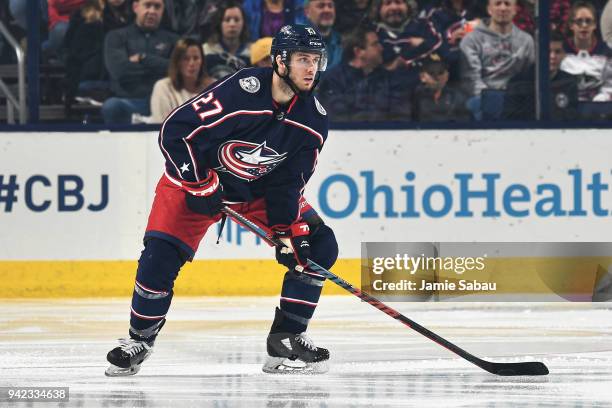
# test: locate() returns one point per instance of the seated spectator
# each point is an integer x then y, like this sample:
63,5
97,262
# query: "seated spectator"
260,52
405,38
359,88
59,14
492,54
453,20
434,100
136,56
186,78
84,40
586,53
520,101
322,15
228,49
266,17
351,14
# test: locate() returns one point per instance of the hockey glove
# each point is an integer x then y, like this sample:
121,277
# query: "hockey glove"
297,247
206,196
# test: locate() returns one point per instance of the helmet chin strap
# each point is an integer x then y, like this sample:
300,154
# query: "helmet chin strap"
292,85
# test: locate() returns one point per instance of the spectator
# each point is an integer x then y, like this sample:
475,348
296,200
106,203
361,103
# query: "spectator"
322,15
520,99
453,20
405,38
59,14
228,49
434,100
136,56
266,17
351,14
492,54
186,78
260,52
586,53
359,89
85,71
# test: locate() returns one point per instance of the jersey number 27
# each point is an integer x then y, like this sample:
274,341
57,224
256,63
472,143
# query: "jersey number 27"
207,99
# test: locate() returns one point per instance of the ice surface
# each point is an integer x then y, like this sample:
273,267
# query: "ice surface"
211,350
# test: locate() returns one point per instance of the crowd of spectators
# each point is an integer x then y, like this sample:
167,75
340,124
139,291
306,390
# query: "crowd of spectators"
404,60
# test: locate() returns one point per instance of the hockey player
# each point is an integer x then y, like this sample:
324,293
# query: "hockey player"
251,142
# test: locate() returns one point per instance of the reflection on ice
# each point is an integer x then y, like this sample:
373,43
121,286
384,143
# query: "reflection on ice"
210,355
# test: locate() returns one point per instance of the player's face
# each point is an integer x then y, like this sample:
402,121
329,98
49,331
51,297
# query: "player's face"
393,12
190,63
583,24
502,11
322,13
232,23
148,13
304,67
557,53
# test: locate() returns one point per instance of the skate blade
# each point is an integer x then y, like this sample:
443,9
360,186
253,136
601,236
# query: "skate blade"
114,371
281,365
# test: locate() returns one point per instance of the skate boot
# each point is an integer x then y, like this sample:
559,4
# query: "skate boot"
290,353
131,353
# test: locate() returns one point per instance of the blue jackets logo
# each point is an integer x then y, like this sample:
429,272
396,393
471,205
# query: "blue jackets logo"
248,161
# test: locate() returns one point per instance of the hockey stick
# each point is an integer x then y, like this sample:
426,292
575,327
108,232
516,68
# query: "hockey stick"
506,369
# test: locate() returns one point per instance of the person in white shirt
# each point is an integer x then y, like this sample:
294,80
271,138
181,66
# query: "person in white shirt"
187,77
586,52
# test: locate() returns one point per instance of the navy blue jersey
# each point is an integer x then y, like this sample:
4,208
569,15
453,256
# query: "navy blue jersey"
258,148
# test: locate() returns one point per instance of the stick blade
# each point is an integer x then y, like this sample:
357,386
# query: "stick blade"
511,369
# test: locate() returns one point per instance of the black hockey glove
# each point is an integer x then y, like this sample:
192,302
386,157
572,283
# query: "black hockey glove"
297,247
206,196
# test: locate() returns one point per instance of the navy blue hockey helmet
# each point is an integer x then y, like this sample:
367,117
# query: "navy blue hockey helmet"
298,37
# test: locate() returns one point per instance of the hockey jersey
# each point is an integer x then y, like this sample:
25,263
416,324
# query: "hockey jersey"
258,147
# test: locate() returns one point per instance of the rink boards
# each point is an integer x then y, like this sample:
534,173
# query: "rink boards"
73,206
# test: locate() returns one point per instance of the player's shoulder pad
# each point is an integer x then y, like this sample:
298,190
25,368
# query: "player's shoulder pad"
237,87
251,81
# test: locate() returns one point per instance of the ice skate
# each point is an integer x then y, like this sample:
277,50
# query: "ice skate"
294,354
127,358
131,353
291,353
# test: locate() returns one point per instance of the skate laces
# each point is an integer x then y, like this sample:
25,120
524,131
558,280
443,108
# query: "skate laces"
132,347
305,341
